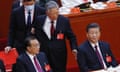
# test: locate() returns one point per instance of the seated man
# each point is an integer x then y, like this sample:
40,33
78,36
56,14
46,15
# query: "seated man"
32,60
2,67
94,54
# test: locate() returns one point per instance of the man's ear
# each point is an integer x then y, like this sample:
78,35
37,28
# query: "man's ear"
28,48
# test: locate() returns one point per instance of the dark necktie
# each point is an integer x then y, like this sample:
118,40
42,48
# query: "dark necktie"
37,64
29,23
99,57
52,29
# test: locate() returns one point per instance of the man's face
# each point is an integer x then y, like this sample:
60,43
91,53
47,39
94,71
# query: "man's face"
53,13
34,47
27,3
93,34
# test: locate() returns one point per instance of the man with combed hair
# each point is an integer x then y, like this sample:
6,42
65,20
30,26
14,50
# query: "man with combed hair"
33,60
94,54
52,30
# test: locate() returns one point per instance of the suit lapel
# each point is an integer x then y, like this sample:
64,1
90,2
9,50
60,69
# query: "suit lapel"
35,14
91,49
42,22
29,63
42,63
58,24
22,14
103,51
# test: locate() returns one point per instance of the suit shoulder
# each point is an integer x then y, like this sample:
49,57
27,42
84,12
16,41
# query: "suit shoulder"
63,17
42,54
104,43
17,10
83,45
22,56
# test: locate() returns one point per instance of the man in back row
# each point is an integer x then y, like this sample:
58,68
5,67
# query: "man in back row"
21,21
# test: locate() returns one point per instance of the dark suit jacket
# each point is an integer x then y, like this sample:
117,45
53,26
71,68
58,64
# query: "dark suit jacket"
2,67
16,4
18,27
24,64
88,60
56,48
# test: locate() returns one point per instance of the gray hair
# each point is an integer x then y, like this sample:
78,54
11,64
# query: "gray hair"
51,4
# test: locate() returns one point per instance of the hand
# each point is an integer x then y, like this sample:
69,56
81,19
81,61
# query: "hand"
33,30
7,49
74,52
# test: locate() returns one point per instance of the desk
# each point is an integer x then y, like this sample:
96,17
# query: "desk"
109,20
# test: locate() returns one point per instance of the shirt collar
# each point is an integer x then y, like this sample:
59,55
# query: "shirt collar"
93,44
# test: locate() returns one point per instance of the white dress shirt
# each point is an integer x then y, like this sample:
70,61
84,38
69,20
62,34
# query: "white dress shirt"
26,15
32,59
47,26
21,2
93,46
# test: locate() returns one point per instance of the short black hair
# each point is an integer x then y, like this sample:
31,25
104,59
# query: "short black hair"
92,25
27,41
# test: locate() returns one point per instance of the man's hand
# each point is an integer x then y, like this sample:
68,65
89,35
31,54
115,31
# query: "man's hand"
74,52
33,30
7,49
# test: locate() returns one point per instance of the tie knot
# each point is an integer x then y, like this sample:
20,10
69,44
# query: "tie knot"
52,22
29,12
34,57
95,46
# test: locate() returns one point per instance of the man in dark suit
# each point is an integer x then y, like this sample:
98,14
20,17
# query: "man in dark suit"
21,22
52,30
2,67
32,60
94,54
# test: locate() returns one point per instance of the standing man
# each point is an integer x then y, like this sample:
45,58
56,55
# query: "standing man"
52,30
22,19
94,54
32,60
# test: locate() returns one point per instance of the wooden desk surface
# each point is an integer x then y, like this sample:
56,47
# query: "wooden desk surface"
93,12
109,20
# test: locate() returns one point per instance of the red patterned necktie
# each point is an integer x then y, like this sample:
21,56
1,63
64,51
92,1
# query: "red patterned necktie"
37,64
52,29
99,57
